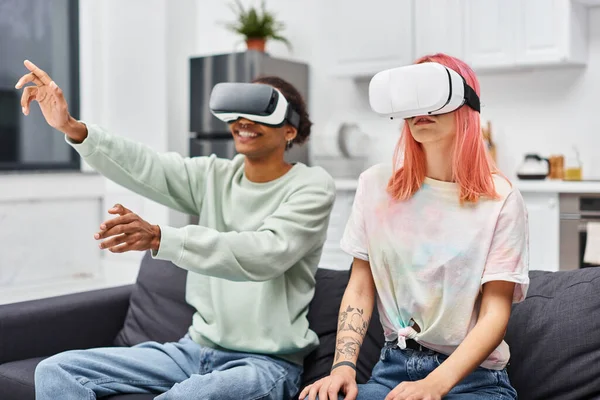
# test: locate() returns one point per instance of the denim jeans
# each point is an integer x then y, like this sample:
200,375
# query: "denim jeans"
180,370
396,366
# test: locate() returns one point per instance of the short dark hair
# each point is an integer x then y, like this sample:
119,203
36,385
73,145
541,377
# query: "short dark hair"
296,101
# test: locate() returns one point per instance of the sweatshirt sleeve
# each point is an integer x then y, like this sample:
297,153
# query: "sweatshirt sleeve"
167,178
298,226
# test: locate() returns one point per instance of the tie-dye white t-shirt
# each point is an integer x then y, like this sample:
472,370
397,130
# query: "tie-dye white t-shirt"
430,256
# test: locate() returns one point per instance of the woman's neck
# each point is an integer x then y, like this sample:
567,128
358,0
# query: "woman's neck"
438,156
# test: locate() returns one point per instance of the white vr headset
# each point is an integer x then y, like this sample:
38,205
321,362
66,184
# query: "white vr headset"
261,103
420,89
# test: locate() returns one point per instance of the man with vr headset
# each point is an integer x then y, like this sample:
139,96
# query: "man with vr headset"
251,260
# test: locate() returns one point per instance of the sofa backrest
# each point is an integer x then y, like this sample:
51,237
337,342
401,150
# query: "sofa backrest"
157,307
554,337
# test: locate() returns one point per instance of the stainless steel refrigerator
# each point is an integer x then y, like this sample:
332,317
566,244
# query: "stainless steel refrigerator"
209,135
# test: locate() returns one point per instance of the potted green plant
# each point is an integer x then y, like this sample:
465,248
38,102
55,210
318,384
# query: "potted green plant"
257,26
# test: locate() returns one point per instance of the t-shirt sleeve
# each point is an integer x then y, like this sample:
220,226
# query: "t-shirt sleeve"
508,257
354,239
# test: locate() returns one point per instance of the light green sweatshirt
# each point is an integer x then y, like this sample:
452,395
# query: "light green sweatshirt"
252,260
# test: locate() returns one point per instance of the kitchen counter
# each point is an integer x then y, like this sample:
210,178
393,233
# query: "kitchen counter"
72,185
552,186
545,186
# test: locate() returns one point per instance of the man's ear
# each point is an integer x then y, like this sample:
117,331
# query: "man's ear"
290,132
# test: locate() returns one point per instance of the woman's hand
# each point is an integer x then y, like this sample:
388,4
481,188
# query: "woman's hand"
418,390
128,232
51,100
341,381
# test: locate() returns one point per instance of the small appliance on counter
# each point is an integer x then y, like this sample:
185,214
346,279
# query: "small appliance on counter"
343,147
534,167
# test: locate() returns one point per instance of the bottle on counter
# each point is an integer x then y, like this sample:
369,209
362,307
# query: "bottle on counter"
573,169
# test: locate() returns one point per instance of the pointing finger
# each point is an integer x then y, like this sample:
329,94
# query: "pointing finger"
43,76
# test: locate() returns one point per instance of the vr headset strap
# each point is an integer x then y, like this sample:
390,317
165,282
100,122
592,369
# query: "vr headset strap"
471,98
292,117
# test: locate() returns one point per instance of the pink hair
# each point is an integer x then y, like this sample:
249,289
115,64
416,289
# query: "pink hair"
472,167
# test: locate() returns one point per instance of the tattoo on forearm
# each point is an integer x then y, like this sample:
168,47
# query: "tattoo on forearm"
353,320
347,347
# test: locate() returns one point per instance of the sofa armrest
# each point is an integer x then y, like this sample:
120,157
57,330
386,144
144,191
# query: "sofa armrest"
44,327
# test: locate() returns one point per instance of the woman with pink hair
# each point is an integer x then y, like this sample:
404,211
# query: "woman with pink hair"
440,241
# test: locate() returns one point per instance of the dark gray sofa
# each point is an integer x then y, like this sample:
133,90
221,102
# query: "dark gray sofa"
554,334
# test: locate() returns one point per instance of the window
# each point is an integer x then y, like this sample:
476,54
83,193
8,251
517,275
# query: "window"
47,33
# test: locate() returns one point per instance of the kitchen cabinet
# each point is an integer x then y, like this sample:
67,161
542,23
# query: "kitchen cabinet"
437,27
544,230
46,245
556,35
48,222
489,33
509,34
369,36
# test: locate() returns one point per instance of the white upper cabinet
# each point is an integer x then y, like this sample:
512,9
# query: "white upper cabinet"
550,32
508,34
437,27
489,33
369,36
495,35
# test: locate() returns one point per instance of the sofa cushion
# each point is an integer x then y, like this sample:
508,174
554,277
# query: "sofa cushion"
323,319
16,379
554,337
17,382
158,310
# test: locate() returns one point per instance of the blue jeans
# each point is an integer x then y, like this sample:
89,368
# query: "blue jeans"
396,366
181,370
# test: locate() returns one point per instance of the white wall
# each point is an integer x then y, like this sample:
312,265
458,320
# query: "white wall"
124,84
181,43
